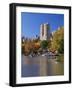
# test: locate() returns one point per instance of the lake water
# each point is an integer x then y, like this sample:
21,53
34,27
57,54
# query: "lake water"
40,66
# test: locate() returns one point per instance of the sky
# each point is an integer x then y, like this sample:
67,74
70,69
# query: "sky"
30,23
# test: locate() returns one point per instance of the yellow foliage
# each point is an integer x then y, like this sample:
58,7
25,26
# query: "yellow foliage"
57,36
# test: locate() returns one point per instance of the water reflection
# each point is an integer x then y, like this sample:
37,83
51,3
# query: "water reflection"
40,66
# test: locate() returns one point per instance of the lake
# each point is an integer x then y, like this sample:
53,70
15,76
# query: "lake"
40,66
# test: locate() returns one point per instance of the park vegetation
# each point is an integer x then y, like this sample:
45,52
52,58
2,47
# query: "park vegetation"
36,46
57,42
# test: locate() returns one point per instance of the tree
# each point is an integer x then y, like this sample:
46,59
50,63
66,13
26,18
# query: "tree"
44,44
49,44
58,40
61,47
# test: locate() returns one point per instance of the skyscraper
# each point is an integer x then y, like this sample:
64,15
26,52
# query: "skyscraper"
44,31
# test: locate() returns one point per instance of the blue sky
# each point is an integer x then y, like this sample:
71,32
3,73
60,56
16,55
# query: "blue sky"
30,22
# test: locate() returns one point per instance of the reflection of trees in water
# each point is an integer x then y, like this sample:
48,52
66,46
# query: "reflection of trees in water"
43,62
47,67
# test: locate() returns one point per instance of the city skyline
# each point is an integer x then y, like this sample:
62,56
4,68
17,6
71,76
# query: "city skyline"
31,23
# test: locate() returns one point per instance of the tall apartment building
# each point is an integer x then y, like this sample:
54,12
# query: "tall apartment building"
44,31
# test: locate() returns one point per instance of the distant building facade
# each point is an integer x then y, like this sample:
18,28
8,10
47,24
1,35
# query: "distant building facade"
44,31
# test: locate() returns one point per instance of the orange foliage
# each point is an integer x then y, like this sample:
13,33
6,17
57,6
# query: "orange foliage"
36,45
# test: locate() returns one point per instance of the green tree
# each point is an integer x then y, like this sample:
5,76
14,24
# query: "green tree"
44,44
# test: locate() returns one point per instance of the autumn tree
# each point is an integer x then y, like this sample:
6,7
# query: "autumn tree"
58,40
61,49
